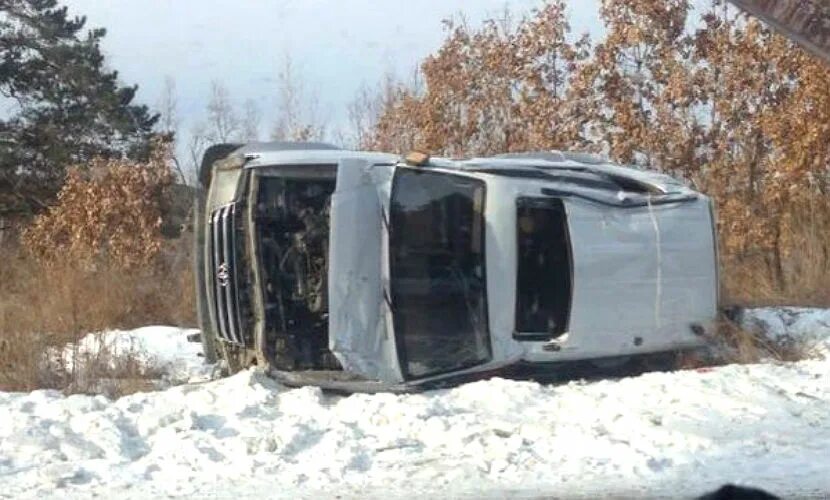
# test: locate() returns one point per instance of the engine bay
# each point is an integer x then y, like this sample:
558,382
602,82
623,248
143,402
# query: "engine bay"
292,232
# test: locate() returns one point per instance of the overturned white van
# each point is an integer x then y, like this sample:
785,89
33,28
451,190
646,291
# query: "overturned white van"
364,271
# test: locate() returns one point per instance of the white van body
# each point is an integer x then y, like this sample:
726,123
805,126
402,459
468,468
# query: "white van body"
448,269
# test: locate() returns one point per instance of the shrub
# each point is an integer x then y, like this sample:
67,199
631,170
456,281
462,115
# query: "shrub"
96,260
45,307
109,212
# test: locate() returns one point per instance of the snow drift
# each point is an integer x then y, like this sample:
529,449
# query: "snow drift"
175,353
659,434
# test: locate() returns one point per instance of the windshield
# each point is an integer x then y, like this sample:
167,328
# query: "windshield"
437,271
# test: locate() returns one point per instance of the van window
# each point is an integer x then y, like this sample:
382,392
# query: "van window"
543,282
437,266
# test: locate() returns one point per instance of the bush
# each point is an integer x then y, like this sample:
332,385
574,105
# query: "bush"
96,260
47,306
108,212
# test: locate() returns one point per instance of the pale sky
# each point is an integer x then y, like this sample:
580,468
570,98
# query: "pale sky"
335,45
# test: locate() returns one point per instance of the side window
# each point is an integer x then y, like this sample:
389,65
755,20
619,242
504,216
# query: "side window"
543,281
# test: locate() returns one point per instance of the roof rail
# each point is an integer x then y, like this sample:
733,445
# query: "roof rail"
589,158
551,155
273,146
555,155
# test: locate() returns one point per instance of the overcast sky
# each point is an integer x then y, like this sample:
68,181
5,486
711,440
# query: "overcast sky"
335,45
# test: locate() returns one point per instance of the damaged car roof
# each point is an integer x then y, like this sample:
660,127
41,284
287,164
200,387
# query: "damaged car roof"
265,154
528,164
509,164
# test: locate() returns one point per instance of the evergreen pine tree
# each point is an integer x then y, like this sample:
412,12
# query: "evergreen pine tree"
59,103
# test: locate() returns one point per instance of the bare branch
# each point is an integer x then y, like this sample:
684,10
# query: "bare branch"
251,121
298,116
222,121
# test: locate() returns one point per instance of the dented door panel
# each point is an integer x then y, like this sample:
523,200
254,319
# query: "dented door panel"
359,330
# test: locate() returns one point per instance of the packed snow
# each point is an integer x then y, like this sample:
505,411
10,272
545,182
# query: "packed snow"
807,328
660,434
173,352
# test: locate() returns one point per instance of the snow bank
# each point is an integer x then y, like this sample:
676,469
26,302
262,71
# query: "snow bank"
166,350
660,434
809,328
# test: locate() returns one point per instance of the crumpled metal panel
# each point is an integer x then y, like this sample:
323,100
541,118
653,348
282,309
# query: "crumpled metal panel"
642,277
359,320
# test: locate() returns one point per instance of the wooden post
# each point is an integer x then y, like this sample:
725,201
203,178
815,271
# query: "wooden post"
806,22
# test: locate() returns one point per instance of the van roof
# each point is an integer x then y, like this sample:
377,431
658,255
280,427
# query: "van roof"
265,154
569,166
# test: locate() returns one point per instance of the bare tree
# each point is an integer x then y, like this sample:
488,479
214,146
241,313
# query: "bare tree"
168,123
367,106
221,125
222,120
168,107
298,116
196,145
251,121
388,117
363,113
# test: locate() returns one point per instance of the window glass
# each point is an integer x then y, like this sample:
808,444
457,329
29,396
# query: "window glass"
543,284
437,266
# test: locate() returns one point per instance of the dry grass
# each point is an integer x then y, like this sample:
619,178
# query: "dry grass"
104,369
46,307
752,280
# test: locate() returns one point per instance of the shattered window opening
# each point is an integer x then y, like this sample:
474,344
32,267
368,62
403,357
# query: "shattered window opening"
543,280
437,268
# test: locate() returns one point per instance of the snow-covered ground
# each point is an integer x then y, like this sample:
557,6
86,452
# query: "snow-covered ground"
660,434
809,329
167,350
